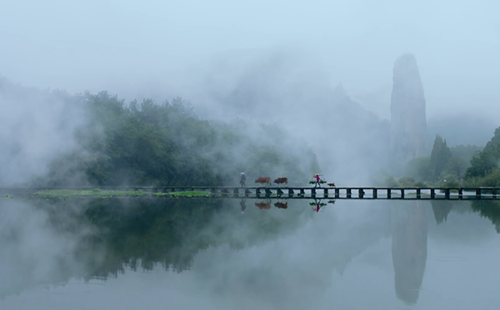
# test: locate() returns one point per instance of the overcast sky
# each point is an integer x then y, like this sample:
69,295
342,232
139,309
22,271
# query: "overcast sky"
120,45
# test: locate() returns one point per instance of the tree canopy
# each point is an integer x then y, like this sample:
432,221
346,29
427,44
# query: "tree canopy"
168,144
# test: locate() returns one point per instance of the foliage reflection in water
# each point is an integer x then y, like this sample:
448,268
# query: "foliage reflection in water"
102,238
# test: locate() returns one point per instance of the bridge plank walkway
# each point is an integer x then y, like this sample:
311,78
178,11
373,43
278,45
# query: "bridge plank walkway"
409,193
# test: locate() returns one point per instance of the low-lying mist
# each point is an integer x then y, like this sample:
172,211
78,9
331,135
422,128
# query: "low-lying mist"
35,127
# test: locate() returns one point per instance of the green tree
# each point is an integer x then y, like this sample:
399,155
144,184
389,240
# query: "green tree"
440,156
485,163
456,166
419,168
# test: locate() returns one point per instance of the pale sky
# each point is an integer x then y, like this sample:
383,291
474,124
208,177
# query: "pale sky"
122,45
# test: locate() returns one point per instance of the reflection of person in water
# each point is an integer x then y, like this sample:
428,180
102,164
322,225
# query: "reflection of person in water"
317,205
243,206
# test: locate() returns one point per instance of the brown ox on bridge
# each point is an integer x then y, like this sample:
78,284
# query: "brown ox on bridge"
264,180
281,205
263,205
281,181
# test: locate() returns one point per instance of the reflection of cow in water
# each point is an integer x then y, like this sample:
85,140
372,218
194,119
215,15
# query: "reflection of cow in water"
263,205
281,205
264,180
281,181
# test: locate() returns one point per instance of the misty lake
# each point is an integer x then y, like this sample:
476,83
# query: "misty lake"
231,254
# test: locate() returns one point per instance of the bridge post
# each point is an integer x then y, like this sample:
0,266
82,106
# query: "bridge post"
446,193
290,192
418,194
361,193
257,192
375,193
460,193
478,193
302,192
325,192
235,191
388,193
337,193
348,193
280,192
433,193
494,193
313,192
402,193
268,192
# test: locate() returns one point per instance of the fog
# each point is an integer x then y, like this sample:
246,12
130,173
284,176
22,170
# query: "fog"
352,254
280,61
319,71
162,47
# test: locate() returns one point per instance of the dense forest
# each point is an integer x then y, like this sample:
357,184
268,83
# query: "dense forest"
145,143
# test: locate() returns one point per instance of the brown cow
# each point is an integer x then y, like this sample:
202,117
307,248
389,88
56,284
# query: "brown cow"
264,180
281,205
263,205
281,181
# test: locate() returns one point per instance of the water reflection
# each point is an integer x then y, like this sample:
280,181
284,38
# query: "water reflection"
284,256
409,248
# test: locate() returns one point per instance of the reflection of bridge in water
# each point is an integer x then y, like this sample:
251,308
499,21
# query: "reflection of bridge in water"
291,192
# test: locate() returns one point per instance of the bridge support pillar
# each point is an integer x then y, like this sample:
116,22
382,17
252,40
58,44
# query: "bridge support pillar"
349,194
290,192
460,193
388,193
375,193
478,193
447,193
337,193
433,193
325,192
418,193
402,193
361,193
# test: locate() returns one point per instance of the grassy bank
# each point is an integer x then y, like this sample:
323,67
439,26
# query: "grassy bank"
110,193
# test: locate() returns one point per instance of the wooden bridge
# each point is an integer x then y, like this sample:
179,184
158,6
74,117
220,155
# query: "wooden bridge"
289,192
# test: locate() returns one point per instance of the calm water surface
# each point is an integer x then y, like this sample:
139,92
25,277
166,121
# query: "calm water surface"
209,254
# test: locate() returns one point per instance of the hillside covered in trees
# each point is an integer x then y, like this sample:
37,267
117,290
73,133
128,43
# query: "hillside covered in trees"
52,138
168,144
460,165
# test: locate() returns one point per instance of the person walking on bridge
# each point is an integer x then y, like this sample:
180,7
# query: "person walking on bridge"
318,178
243,179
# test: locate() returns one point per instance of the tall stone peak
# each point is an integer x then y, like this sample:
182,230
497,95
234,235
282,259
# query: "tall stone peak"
408,116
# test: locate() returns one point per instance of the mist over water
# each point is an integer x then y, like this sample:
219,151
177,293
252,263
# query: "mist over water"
307,80
352,254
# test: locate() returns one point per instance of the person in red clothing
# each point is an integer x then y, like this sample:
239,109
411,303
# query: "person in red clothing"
318,178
